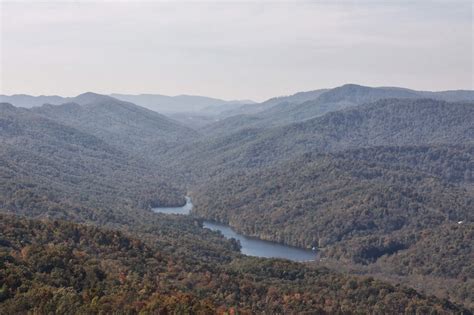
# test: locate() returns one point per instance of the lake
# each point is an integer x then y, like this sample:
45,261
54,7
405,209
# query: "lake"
250,246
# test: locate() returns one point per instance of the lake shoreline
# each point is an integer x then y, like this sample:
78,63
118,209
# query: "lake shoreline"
251,246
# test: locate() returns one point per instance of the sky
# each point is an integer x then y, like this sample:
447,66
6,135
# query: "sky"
233,49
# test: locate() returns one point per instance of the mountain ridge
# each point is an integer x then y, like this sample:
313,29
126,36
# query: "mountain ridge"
126,125
285,110
395,121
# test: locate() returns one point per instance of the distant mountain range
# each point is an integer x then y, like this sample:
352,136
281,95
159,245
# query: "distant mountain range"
155,102
181,103
280,109
307,105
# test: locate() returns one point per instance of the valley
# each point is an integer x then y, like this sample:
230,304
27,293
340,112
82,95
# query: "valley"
236,157
376,180
248,246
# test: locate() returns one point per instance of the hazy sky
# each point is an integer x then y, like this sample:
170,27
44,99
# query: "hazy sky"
233,50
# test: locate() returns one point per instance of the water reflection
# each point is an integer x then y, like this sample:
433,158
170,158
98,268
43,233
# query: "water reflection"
250,246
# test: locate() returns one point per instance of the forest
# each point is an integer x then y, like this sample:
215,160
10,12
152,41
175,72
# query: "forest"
383,190
56,266
383,207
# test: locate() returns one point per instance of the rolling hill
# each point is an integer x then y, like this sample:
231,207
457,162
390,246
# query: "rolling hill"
307,105
180,103
28,101
129,258
375,183
385,122
123,124
323,199
53,266
394,210
52,170
155,102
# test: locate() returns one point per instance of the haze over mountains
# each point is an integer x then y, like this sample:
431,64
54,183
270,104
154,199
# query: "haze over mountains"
180,103
350,94
301,106
386,122
124,124
236,157
156,102
378,180
73,168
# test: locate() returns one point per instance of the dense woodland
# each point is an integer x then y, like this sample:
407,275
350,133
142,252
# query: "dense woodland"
301,106
439,261
358,206
394,122
121,124
59,266
52,170
321,199
380,188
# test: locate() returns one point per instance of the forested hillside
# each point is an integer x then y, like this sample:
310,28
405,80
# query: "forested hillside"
63,267
332,100
377,187
386,122
51,170
439,262
222,157
359,206
322,199
122,124
296,98
306,105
